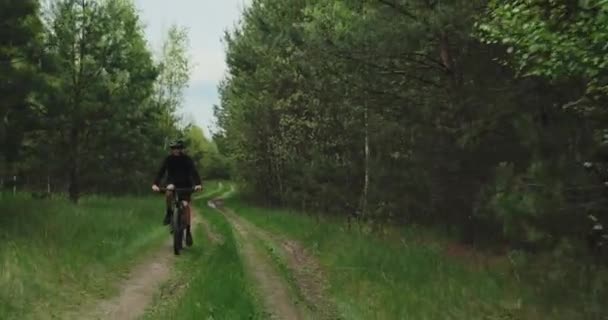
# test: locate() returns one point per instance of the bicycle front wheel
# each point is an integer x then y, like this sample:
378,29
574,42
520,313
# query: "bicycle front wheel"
178,231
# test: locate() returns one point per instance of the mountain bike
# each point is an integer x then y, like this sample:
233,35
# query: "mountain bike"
178,219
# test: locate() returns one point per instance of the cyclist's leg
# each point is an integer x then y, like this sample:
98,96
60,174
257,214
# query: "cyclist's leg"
187,199
188,215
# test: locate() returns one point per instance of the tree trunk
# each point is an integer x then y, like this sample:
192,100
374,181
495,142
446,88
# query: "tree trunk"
446,52
448,61
366,174
74,186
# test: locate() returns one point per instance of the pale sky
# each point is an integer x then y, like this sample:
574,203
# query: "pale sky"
206,21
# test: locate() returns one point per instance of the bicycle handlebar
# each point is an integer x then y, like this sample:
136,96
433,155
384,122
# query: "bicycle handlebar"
176,189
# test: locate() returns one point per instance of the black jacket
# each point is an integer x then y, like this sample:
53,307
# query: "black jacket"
181,172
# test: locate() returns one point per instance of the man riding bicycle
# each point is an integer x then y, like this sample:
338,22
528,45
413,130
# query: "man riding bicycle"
181,174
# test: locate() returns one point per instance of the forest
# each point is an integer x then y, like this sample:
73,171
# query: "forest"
87,108
421,153
483,118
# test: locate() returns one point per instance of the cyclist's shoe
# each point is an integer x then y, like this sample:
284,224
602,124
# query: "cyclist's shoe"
167,220
189,239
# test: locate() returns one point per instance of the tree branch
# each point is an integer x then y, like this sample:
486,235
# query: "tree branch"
386,71
403,11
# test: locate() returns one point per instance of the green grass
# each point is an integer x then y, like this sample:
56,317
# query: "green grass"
55,256
374,278
210,282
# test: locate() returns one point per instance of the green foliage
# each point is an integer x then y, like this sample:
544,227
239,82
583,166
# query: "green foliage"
564,42
472,116
105,75
205,153
174,72
315,84
554,39
20,77
91,106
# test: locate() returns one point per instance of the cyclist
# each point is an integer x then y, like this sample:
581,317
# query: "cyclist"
181,173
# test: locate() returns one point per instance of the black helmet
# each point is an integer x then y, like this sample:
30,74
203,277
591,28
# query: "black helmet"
177,144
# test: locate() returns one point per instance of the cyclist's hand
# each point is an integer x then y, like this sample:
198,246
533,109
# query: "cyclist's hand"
170,187
155,188
198,187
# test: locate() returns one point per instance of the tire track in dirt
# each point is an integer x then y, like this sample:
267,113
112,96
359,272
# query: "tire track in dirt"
305,270
177,286
214,237
138,291
272,287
